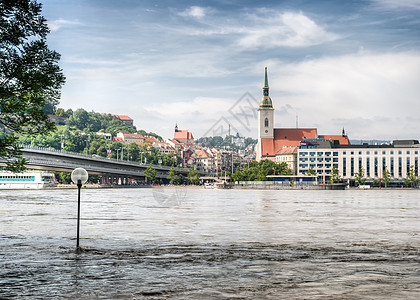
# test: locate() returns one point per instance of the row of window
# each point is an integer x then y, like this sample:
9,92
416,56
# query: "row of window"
408,152
17,178
391,170
319,159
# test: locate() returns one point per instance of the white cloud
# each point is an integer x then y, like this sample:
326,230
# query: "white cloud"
287,29
397,4
57,24
372,95
194,11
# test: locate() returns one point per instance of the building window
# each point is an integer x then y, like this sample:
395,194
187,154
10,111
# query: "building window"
344,152
360,152
383,164
367,166
352,167
328,159
327,153
335,153
303,153
408,166
320,165
351,152
335,159
266,122
376,152
392,152
399,166
376,167
383,152
344,167
312,159
416,152
392,166
328,165
320,159
360,162
320,153
408,152
368,152
416,166
312,153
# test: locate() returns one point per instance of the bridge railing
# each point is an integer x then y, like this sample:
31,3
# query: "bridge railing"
100,158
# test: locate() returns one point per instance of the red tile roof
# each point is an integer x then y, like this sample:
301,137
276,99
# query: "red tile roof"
133,136
343,140
202,154
183,134
286,137
123,117
287,150
151,138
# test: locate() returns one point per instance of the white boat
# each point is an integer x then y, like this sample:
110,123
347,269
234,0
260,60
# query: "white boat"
26,180
209,185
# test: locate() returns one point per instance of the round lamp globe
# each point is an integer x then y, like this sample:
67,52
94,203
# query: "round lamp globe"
79,174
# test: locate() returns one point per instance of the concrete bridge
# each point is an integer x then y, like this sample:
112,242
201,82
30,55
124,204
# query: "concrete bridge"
111,170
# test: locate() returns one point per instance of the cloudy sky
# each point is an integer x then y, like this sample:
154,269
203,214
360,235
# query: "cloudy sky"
331,64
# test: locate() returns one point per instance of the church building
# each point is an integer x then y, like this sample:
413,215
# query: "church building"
274,141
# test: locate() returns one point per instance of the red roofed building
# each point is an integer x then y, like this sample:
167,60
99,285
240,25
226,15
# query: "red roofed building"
126,120
342,139
183,136
272,140
131,138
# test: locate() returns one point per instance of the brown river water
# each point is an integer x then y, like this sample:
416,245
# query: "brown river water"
169,243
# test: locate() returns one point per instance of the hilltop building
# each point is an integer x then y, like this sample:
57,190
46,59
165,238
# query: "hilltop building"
126,120
183,136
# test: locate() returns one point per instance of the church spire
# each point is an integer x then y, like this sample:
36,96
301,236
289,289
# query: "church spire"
265,102
266,79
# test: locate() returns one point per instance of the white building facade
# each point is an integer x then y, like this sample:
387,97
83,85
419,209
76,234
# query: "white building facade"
397,158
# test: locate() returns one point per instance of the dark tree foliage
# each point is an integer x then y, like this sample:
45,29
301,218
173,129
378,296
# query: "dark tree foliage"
30,77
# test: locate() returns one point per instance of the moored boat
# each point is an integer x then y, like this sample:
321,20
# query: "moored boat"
26,180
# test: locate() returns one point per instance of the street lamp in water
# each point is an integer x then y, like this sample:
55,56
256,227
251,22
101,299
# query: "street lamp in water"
79,176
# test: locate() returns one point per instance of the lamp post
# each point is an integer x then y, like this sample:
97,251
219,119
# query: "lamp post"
117,152
79,176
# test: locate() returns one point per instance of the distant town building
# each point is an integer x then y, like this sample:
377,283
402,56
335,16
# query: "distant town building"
107,136
288,155
125,119
183,136
128,138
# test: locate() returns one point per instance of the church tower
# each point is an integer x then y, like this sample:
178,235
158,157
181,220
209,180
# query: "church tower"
266,114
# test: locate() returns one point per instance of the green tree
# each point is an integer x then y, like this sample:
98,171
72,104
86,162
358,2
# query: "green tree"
360,176
30,75
310,172
150,174
412,177
386,176
194,176
172,175
335,175
60,112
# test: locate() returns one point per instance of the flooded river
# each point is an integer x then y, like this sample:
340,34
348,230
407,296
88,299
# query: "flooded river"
210,244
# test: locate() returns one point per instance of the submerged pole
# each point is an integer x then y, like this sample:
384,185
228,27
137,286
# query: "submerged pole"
79,186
